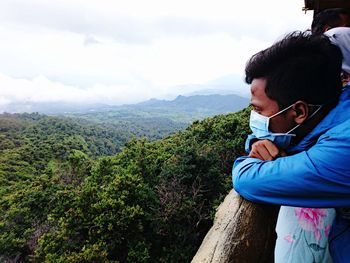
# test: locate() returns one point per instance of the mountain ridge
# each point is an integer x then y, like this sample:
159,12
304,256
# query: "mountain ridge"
227,102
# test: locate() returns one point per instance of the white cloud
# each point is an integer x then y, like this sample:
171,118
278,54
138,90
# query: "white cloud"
197,60
40,89
124,51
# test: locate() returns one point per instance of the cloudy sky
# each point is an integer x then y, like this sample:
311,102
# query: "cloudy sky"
132,50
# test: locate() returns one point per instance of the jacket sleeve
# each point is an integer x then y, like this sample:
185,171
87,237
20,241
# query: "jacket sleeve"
249,141
319,177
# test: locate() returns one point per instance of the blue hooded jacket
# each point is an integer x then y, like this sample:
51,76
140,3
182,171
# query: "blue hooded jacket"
316,177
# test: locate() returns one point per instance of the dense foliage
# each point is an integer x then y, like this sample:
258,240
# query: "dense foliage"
152,202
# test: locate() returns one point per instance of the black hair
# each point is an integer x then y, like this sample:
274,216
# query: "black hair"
327,18
301,66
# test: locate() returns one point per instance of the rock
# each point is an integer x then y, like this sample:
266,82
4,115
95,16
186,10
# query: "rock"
242,232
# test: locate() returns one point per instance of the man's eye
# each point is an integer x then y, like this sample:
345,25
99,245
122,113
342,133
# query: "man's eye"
257,109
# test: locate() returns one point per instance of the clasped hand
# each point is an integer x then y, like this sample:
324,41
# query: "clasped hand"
265,150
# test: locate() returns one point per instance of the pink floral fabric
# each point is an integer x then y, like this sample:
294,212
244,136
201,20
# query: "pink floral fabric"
302,235
312,219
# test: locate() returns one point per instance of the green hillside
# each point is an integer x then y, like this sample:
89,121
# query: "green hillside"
152,202
181,111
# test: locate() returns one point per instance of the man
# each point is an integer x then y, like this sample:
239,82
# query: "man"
328,19
295,85
302,233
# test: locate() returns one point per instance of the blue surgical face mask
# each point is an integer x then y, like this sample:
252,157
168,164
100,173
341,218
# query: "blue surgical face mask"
259,125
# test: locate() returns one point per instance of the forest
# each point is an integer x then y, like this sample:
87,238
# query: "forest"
76,191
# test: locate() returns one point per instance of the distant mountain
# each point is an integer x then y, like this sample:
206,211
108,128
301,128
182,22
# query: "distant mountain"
229,84
188,108
53,108
183,109
208,104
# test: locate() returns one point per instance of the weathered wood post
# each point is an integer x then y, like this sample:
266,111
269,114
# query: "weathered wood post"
242,232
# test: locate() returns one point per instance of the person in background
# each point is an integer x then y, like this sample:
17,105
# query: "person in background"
301,154
340,36
328,19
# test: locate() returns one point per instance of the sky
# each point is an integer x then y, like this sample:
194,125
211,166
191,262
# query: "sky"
117,52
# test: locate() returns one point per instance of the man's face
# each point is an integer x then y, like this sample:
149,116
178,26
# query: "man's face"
265,106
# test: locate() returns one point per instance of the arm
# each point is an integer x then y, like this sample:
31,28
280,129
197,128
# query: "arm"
319,177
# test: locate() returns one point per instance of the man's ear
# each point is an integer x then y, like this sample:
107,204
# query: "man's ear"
301,111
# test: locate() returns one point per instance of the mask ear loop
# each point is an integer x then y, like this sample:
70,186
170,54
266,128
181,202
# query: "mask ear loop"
277,113
313,114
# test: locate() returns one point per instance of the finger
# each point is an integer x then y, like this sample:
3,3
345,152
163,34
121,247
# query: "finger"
271,148
265,153
260,148
254,154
